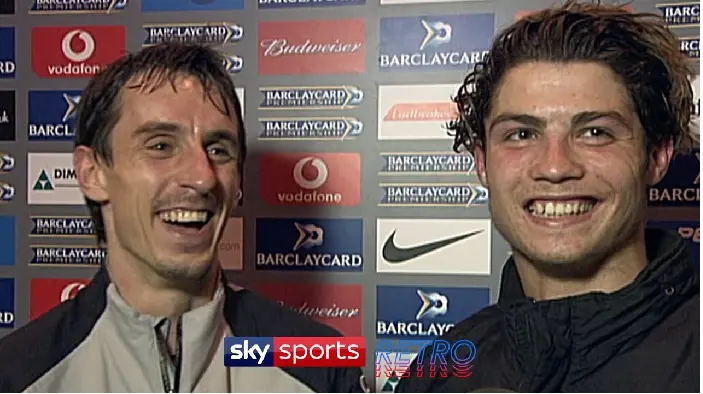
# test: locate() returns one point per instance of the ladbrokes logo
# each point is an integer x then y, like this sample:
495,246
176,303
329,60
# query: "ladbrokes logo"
335,46
309,244
415,112
339,306
447,42
75,51
48,293
311,178
425,313
7,115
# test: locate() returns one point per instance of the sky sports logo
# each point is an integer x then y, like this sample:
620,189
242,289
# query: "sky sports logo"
434,43
301,352
75,51
311,179
7,52
309,244
52,114
426,312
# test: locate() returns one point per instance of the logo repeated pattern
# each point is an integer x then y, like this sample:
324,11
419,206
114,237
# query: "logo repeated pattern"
353,180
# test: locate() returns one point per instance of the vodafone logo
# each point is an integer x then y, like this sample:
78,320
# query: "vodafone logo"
88,46
76,51
310,184
71,290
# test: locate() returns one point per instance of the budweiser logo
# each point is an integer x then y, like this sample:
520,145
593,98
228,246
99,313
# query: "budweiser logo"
281,46
331,312
421,112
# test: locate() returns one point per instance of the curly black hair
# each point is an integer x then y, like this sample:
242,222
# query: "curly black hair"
638,47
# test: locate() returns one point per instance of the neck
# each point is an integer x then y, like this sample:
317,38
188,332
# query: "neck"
150,293
608,275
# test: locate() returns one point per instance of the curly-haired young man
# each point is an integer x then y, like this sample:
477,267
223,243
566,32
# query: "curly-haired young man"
572,115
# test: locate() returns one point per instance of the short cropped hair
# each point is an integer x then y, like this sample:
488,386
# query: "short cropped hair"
99,108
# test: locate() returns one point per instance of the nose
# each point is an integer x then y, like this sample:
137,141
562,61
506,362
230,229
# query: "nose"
556,162
196,171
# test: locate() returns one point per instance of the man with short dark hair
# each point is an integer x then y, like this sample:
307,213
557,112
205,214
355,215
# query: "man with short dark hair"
571,116
159,154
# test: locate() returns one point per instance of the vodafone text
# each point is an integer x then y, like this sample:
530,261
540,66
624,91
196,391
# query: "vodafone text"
295,352
435,358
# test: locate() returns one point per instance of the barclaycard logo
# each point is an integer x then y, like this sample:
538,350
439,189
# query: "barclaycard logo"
62,256
77,6
678,193
431,52
233,63
426,163
62,226
7,192
308,251
52,128
320,97
681,14
433,194
432,305
690,46
319,128
7,162
206,33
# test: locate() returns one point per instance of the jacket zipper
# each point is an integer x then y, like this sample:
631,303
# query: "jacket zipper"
170,368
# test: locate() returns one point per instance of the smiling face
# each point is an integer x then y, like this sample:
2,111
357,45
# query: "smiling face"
174,179
565,163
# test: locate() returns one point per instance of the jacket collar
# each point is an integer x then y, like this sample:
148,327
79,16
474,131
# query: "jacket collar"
580,333
669,264
202,331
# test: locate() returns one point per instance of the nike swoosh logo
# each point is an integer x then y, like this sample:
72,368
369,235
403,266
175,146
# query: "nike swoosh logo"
394,254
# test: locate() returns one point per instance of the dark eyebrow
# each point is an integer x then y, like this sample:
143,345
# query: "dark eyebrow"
211,136
150,127
578,119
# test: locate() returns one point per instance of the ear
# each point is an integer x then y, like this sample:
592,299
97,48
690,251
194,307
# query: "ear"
480,159
90,174
659,160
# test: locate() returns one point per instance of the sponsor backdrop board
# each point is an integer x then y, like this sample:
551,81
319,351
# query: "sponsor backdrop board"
353,197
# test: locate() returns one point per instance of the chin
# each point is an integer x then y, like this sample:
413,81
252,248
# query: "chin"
186,267
564,260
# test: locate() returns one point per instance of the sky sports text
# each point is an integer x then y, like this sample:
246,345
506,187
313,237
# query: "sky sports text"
433,358
295,352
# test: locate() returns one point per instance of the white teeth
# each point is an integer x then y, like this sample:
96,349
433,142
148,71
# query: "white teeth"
554,209
183,216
